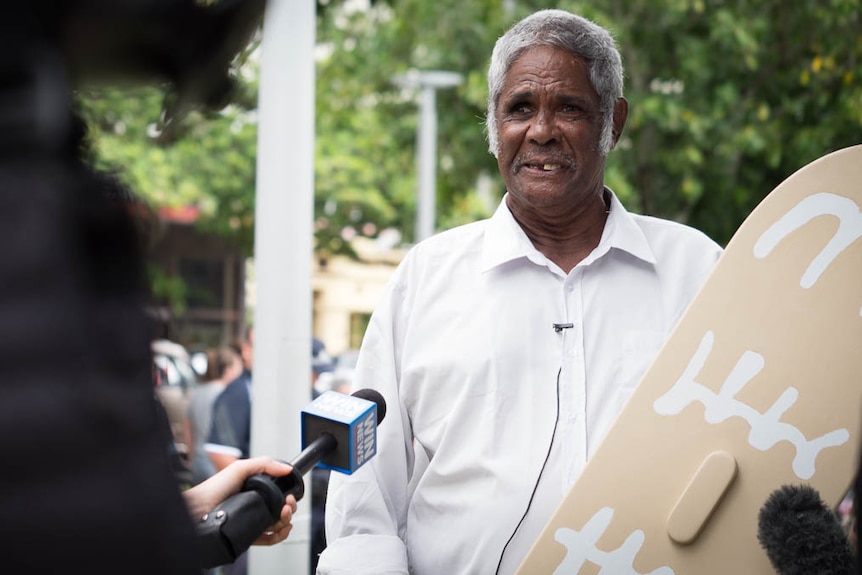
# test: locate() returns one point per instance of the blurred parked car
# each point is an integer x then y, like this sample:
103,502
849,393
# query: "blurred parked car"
173,387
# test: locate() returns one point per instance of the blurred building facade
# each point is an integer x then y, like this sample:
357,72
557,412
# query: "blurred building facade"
207,271
346,291
218,286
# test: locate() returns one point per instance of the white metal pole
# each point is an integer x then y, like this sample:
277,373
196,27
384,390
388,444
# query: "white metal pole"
426,143
427,164
283,251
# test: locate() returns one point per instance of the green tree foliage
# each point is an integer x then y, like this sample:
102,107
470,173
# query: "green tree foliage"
727,99
206,160
366,124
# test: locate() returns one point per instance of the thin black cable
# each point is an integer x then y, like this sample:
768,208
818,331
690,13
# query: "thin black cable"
541,472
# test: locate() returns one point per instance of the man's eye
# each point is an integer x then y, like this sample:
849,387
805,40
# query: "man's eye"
519,108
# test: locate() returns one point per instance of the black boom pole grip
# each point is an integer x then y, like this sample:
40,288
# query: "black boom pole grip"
228,531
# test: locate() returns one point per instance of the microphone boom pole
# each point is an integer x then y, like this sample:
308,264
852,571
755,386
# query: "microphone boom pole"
229,530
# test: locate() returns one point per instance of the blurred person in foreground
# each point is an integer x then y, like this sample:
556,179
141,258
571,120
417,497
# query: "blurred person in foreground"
86,485
507,347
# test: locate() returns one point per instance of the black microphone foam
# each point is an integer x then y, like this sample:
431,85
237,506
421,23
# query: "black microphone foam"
801,535
374,396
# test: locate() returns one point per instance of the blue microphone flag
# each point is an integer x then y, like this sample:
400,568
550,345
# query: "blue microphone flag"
351,420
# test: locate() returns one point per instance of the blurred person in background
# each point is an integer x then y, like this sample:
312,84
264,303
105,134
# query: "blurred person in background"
223,366
230,431
229,438
322,365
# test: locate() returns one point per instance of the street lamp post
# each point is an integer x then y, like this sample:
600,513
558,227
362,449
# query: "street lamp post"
426,142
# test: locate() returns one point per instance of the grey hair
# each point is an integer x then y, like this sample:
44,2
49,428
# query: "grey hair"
576,35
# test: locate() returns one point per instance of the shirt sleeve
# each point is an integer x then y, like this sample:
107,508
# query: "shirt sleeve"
366,512
364,555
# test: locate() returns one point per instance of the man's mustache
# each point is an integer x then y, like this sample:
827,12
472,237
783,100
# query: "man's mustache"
541,159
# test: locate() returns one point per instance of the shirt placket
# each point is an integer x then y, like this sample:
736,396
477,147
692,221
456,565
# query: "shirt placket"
573,382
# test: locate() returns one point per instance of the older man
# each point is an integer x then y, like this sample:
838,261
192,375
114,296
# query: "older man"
506,348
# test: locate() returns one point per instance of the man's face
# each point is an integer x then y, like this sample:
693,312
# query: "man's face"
549,121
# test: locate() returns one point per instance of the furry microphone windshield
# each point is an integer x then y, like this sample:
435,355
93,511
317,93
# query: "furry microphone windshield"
801,535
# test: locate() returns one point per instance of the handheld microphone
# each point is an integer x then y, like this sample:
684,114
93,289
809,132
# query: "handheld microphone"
801,535
339,432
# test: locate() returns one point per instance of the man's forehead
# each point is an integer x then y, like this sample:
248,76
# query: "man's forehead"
544,67
547,52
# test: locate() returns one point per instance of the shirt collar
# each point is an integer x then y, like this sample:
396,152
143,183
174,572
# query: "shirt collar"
623,233
505,241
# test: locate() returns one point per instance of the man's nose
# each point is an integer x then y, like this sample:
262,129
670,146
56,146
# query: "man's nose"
543,128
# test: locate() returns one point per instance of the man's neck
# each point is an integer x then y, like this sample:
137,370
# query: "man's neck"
568,238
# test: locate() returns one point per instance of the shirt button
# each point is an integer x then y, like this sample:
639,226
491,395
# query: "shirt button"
570,288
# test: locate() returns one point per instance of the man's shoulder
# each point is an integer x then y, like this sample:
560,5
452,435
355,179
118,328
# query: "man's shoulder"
451,244
457,235
655,228
679,250
234,391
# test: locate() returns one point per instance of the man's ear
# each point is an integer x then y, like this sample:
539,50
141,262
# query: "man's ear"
621,112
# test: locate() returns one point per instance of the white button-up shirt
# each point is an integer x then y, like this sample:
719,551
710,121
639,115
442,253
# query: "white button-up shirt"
492,412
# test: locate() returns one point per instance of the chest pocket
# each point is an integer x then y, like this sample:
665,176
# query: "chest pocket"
639,349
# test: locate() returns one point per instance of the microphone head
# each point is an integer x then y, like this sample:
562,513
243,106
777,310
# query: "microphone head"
801,535
374,396
352,423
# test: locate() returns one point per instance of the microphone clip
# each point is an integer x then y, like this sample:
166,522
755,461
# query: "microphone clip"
558,327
